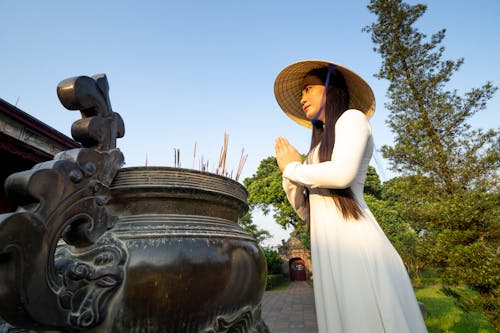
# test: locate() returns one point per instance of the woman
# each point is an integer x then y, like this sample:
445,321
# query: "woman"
360,282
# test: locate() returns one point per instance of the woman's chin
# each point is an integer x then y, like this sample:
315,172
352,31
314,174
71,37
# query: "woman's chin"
310,116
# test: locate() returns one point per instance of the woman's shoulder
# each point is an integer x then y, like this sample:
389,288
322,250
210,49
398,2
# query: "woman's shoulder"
353,116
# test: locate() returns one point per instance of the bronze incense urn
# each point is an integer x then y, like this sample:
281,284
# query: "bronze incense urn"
94,247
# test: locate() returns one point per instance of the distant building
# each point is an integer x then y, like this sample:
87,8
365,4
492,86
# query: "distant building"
297,258
24,142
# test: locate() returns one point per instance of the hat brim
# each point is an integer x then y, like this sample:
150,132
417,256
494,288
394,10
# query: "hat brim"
288,89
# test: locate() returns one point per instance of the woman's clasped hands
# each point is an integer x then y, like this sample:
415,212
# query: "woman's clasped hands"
285,153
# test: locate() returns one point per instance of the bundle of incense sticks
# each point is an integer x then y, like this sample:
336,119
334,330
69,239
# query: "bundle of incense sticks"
204,164
177,157
221,170
243,159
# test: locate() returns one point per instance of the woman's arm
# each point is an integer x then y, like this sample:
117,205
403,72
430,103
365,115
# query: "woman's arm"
285,154
352,133
296,197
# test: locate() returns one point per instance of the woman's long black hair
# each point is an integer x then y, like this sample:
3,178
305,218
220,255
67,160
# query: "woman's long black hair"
337,102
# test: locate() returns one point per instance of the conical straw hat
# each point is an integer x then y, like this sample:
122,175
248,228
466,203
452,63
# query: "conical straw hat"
288,89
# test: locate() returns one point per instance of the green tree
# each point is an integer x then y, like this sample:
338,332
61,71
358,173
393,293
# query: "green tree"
274,261
449,188
401,231
403,225
246,222
432,133
373,186
265,192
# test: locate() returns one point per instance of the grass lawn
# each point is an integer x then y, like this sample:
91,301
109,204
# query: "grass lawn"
444,315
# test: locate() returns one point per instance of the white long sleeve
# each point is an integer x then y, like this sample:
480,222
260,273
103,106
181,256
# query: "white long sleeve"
352,132
296,197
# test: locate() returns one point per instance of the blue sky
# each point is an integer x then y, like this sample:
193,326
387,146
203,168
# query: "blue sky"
186,72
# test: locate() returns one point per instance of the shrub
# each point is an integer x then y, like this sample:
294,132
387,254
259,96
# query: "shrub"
274,280
274,261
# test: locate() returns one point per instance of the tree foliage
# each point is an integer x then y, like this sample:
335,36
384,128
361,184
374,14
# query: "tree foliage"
373,186
432,134
246,222
274,261
448,191
265,192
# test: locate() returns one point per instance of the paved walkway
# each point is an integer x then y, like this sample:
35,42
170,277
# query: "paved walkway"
291,310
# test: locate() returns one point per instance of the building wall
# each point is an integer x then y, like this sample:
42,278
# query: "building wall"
24,142
292,249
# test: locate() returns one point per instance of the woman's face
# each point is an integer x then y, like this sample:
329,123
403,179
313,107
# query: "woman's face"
312,98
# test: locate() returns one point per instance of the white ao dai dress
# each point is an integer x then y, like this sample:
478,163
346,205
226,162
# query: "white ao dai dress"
360,282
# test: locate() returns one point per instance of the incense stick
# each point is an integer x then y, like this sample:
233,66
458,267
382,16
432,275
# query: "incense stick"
243,159
220,168
194,154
